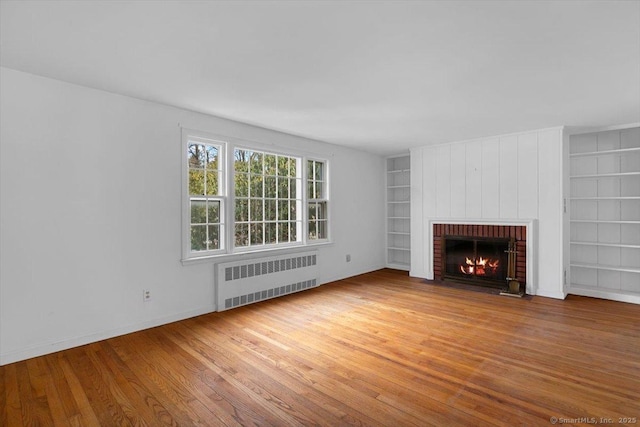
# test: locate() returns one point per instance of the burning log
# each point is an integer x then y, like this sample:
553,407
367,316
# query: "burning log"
479,267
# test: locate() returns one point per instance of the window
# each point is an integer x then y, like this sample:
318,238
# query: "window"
267,198
317,200
265,205
206,195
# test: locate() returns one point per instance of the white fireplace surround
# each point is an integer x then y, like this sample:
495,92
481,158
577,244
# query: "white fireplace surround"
515,179
529,224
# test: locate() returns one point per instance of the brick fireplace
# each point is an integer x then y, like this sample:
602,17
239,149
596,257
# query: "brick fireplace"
480,236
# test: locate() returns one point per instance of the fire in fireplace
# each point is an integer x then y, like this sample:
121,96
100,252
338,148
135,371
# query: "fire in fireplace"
480,267
479,260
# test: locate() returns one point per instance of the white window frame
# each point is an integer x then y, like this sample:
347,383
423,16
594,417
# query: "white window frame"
227,148
189,136
324,199
301,221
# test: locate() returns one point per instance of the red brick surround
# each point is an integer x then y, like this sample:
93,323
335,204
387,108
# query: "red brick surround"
518,232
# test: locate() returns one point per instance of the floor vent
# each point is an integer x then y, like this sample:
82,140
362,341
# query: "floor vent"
247,281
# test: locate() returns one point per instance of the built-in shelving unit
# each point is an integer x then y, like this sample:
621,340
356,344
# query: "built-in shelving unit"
398,213
605,214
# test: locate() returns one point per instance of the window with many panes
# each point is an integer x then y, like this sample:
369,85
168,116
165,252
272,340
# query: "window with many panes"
268,198
205,160
317,200
272,200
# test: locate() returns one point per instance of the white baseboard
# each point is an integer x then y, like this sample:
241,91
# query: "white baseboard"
52,347
550,294
353,274
611,294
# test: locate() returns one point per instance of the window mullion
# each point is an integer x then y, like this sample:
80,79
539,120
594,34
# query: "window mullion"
231,197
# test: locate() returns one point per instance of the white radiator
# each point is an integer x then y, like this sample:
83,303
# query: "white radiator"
252,280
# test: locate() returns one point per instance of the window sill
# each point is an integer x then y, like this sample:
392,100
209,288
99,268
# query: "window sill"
252,254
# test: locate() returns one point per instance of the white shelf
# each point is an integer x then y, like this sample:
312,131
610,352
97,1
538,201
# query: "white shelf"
605,221
608,245
607,267
604,181
603,152
399,266
607,198
605,175
398,211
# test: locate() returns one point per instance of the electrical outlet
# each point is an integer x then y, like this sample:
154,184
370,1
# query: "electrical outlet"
146,295
348,258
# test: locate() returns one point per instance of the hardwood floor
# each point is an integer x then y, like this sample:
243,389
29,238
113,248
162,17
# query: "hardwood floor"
377,349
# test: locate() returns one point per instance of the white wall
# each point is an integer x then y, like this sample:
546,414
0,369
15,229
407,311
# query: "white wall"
510,177
90,214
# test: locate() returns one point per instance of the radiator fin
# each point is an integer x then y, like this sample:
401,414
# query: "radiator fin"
248,281
268,294
269,267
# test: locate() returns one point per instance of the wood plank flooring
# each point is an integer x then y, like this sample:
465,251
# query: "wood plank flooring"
378,349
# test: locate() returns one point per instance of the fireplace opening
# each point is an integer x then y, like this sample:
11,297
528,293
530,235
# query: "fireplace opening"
478,260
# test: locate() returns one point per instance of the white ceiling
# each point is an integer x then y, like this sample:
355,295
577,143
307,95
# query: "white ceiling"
381,76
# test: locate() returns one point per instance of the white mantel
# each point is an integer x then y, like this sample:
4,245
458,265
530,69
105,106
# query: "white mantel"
514,179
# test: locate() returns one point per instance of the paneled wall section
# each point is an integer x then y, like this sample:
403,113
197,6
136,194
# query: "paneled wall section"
510,177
